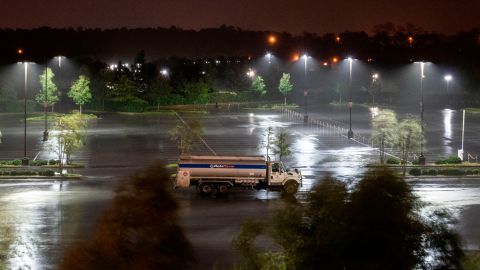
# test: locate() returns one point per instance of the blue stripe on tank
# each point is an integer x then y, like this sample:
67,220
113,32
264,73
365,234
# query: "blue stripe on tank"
223,166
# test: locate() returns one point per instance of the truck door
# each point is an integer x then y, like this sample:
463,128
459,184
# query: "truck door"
277,173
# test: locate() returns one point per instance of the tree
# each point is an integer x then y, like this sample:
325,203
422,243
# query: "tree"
285,86
123,90
375,226
374,89
267,142
50,91
197,92
186,134
384,130
282,144
80,91
258,86
7,91
159,92
140,230
68,138
340,89
409,138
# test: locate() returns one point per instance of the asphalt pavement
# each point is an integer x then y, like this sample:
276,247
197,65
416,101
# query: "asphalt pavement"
48,215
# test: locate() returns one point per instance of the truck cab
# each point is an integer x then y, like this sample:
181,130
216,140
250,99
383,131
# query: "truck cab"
279,176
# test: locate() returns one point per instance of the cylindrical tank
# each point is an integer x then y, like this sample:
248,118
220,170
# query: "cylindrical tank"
223,166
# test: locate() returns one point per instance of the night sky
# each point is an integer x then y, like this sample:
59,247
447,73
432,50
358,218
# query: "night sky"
446,16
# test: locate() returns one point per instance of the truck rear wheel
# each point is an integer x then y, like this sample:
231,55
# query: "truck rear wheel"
206,188
223,188
291,187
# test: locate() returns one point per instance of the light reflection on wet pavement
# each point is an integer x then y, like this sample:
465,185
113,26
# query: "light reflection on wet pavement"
46,216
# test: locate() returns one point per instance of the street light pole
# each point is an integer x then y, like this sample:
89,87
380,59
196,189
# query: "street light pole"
421,159
305,92
447,79
350,132
25,159
59,84
45,92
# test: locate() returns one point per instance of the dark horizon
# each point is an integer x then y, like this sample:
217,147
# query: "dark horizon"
441,16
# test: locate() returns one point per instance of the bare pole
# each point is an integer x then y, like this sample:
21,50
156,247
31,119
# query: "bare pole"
25,159
463,128
350,104
422,157
45,92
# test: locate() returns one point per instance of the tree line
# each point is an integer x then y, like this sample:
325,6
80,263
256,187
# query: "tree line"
389,43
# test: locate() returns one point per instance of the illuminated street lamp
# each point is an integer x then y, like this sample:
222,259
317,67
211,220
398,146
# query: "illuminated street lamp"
410,41
164,72
45,132
269,57
25,158
421,159
251,73
305,92
272,40
447,79
60,57
350,104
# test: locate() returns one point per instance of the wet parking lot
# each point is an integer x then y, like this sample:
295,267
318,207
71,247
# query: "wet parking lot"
46,216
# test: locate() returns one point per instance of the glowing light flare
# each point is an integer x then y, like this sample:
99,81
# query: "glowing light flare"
251,73
296,57
325,64
448,78
164,72
335,59
272,40
20,51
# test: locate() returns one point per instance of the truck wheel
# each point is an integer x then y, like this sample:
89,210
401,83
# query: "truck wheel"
205,188
290,187
223,188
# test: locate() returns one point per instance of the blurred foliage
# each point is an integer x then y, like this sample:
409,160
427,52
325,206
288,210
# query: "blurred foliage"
50,88
140,230
384,127
186,134
376,225
258,86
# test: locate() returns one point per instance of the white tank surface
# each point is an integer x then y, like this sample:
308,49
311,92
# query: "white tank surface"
223,166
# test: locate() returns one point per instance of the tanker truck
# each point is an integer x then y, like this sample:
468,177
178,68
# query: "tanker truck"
223,173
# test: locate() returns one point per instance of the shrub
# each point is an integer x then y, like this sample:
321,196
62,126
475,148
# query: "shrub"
415,172
429,172
453,160
134,106
449,160
39,162
468,172
16,162
53,162
415,162
46,173
452,172
392,160
475,171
